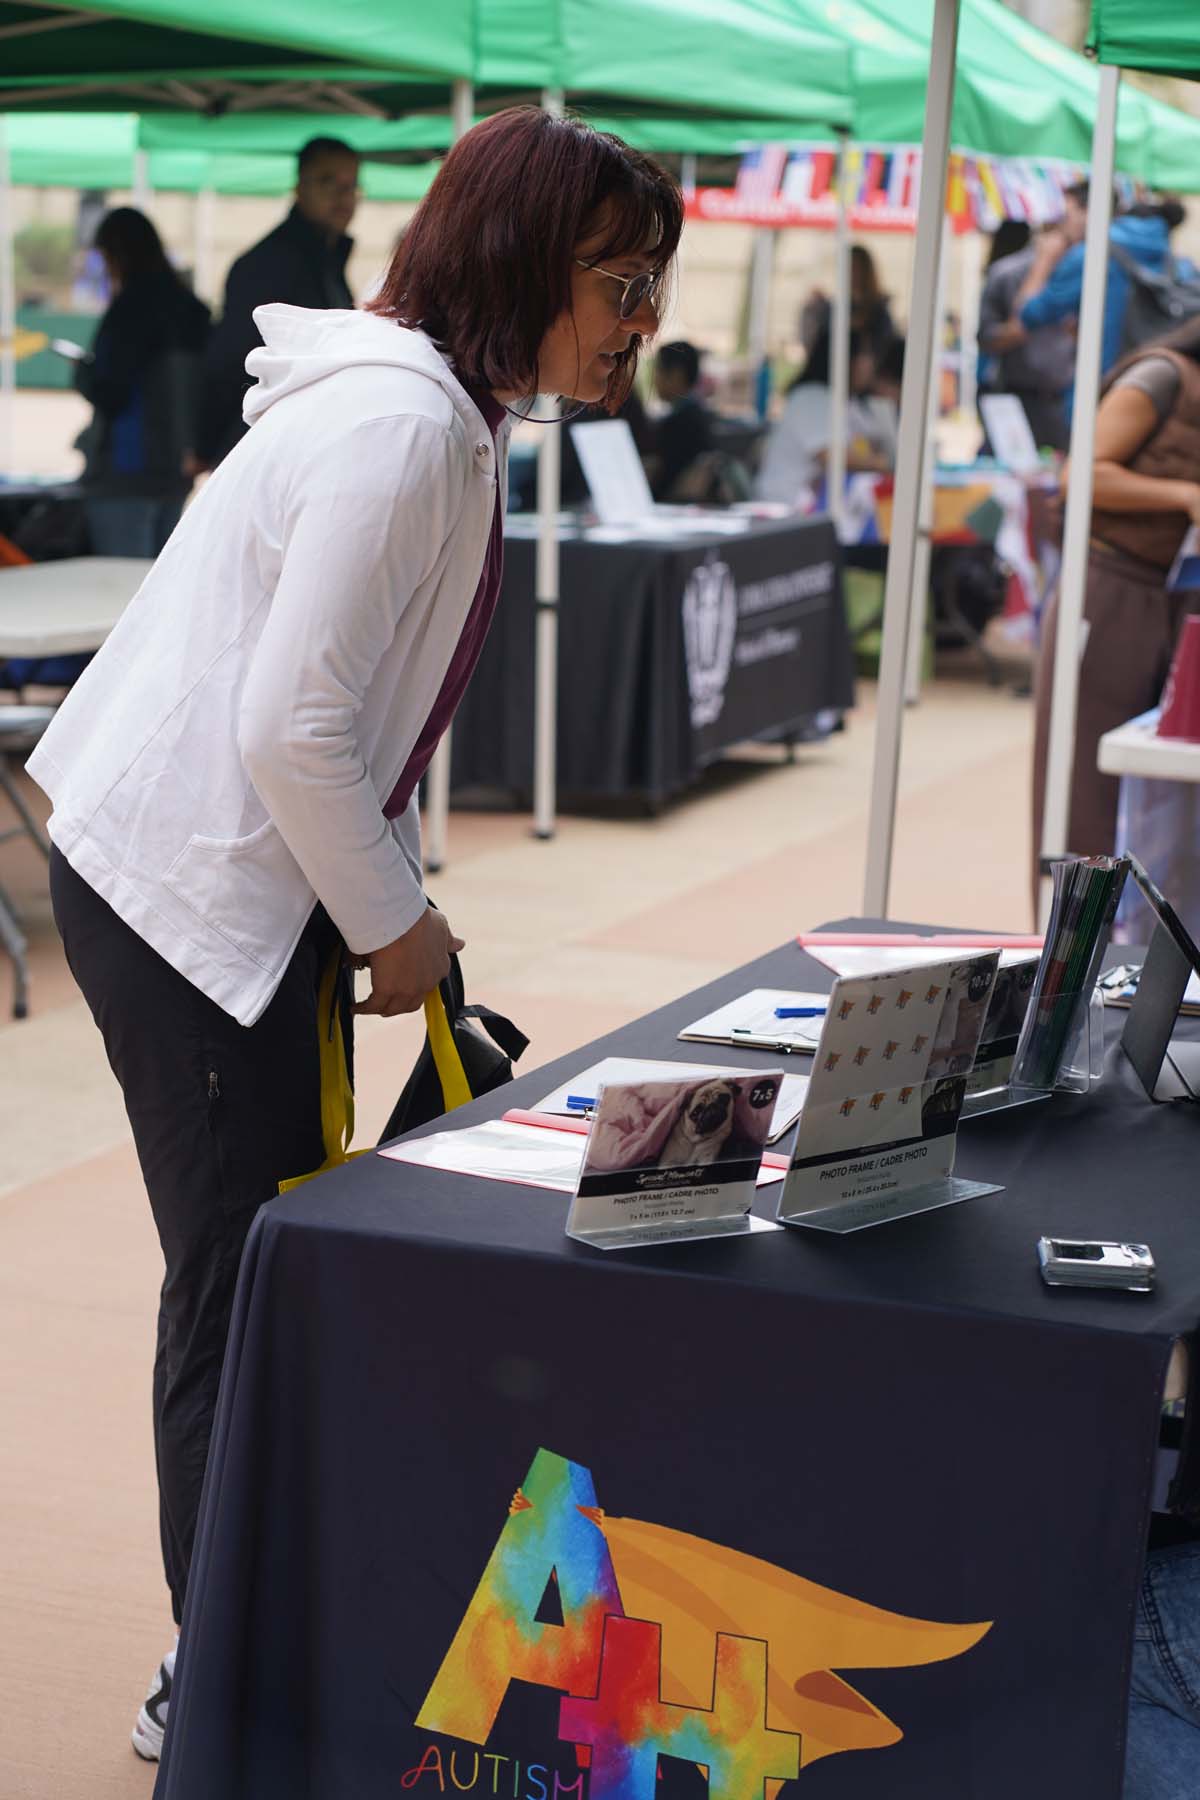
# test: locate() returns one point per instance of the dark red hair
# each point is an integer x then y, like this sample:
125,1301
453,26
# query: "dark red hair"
486,265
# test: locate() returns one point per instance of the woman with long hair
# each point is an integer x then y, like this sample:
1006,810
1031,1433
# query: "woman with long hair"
234,777
1146,493
871,323
142,380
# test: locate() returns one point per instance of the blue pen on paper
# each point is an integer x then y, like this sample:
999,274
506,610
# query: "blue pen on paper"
580,1102
800,1012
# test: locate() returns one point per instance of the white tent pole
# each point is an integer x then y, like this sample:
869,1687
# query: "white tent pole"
462,109
687,175
839,345
545,661
920,588
546,597
437,780
762,260
203,212
143,193
8,314
1077,522
914,405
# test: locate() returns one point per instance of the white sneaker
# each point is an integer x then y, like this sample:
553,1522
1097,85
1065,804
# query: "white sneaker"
152,1718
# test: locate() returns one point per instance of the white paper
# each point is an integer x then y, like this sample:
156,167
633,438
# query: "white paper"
612,1069
1010,432
657,528
753,1013
613,471
499,1151
502,1150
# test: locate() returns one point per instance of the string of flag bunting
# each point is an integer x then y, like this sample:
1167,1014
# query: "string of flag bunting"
780,185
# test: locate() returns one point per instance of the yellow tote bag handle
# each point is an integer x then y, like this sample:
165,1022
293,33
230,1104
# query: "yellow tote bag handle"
337,1096
456,1089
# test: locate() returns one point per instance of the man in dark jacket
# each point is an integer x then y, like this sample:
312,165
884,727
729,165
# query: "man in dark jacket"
302,262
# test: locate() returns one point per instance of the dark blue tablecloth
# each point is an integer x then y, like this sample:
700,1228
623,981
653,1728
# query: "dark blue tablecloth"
905,1418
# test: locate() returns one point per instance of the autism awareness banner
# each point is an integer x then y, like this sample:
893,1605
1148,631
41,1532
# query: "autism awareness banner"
662,1645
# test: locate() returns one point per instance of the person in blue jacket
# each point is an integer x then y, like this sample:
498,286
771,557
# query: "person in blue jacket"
1053,292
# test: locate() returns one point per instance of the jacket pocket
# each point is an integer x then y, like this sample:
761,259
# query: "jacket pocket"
250,889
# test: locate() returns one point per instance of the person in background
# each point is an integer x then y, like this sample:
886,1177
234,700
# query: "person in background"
1146,493
870,314
1037,369
793,462
887,383
142,380
1052,292
684,433
301,263
1010,237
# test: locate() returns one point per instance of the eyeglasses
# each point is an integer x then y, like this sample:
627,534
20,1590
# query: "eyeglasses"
634,288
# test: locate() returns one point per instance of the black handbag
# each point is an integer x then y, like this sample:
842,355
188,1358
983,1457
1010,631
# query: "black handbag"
468,1051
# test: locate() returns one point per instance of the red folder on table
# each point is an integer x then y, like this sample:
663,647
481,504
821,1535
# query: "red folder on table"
949,940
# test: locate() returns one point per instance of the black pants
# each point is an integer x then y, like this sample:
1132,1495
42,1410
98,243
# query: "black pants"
221,1114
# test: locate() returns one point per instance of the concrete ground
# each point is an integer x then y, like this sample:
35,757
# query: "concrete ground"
570,938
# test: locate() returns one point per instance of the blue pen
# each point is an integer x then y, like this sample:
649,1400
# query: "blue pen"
580,1103
800,1012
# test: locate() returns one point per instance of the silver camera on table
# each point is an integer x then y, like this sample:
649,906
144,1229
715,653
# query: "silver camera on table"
1075,1262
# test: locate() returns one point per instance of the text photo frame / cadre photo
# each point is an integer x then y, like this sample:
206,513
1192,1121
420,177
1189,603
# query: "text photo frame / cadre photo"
1167,1067
878,1132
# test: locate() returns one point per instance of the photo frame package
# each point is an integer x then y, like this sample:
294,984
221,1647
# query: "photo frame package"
671,1160
878,1131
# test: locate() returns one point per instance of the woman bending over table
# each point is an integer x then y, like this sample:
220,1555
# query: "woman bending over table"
234,777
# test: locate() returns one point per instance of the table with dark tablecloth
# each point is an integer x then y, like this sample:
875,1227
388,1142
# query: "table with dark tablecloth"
669,653
905,1417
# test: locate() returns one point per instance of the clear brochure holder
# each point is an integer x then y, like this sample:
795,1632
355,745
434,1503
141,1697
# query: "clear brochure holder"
895,1157
1062,1052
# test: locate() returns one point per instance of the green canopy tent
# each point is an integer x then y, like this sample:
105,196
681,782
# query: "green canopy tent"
138,53
1162,40
100,150
370,57
1017,91
181,53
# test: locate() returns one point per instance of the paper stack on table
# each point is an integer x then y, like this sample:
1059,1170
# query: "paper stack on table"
780,1019
530,1149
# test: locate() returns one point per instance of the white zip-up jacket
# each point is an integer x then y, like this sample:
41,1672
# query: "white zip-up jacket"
226,757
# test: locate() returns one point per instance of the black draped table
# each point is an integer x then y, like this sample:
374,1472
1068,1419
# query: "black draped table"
488,1511
669,653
